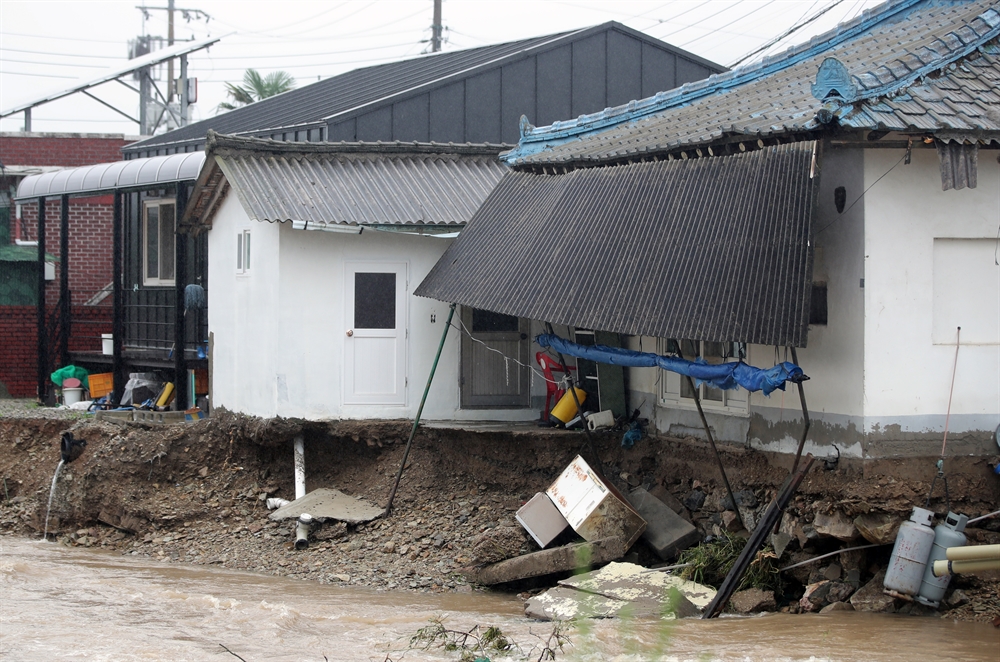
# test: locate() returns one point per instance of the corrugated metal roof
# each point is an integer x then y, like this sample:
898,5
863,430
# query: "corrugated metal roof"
710,249
105,177
324,184
914,65
355,91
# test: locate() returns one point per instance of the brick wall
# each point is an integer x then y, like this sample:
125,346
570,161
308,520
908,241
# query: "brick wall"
61,149
89,243
19,349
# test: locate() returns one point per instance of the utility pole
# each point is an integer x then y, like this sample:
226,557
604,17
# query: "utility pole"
170,42
436,28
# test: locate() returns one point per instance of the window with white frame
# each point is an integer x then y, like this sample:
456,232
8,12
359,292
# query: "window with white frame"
159,226
677,389
243,252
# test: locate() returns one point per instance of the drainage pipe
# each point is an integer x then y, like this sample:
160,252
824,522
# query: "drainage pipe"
944,567
300,467
302,526
974,553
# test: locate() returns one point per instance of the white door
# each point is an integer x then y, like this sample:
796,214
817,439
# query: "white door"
375,347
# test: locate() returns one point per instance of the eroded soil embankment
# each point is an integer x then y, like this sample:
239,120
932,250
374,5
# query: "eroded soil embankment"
195,492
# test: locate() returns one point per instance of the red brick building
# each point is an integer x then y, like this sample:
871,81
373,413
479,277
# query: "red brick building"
89,261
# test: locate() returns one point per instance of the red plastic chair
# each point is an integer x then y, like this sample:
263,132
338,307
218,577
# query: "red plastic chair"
552,390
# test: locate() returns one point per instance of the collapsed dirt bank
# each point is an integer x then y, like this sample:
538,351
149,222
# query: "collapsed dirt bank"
196,493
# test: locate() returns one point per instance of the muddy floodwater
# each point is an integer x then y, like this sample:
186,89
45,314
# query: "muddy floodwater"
75,604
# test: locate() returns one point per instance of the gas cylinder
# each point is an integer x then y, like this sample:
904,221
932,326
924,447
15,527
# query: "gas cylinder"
949,533
566,409
909,554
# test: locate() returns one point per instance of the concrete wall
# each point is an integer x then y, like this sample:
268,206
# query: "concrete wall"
930,267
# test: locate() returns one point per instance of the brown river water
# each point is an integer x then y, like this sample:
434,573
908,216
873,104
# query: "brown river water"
58,603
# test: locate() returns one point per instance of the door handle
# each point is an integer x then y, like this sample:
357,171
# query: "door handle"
350,332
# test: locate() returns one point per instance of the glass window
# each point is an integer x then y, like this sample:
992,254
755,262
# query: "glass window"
159,228
374,300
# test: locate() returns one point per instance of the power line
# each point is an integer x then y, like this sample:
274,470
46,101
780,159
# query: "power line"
798,26
48,36
21,73
54,64
22,50
715,30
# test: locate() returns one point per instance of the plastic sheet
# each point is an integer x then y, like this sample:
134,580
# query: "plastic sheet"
719,375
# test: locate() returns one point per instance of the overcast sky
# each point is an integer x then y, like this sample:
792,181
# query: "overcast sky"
46,46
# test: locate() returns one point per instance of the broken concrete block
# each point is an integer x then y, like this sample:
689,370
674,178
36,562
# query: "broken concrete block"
878,528
541,519
547,561
752,600
666,532
835,525
871,598
730,521
620,589
331,504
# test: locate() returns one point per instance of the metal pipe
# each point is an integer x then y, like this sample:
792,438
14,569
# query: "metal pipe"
715,451
64,298
181,396
300,467
117,299
420,410
993,514
595,460
43,348
805,417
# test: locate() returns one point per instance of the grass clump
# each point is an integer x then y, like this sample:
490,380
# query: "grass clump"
711,561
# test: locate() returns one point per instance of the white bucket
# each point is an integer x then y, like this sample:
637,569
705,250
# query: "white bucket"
108,343
71,396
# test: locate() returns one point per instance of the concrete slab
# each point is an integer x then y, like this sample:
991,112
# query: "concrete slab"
331,504
546,562
666,531
621,590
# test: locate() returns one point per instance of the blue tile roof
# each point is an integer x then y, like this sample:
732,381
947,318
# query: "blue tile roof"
908,65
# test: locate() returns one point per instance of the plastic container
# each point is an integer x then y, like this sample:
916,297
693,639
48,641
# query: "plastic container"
602,419
101,384
107,344
71,396
910,553
948,533
565,409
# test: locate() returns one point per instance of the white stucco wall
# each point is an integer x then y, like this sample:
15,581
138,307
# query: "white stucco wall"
241,312
279,332
908,292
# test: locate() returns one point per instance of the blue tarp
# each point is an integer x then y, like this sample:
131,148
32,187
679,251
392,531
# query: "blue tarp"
722,375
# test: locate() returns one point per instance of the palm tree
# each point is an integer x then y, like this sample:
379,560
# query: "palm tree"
256,87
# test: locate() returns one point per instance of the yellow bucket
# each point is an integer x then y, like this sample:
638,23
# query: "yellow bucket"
565,409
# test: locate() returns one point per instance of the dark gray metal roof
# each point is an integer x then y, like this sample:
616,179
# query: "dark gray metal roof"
318,185
710,249
908,65
618,60
104,177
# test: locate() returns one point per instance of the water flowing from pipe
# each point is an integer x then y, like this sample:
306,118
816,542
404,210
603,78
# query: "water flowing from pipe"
52,491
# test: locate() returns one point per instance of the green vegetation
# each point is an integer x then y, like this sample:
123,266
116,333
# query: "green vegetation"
478,644
256,87
712,561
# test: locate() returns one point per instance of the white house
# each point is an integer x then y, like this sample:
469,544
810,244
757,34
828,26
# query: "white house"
316,249
839,201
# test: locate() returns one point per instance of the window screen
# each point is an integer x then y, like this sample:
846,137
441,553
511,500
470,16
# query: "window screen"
483,321
375,300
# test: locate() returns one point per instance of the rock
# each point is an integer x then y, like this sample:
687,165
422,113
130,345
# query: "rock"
821,594
800,574
744,498
832,571
836,606
498,544
957,598
878,528
835,525
792,527
695,500
730,521
871,598
779,541
752,600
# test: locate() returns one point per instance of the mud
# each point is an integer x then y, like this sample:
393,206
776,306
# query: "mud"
196,493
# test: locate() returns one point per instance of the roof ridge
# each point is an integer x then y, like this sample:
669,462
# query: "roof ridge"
217,142
637,109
